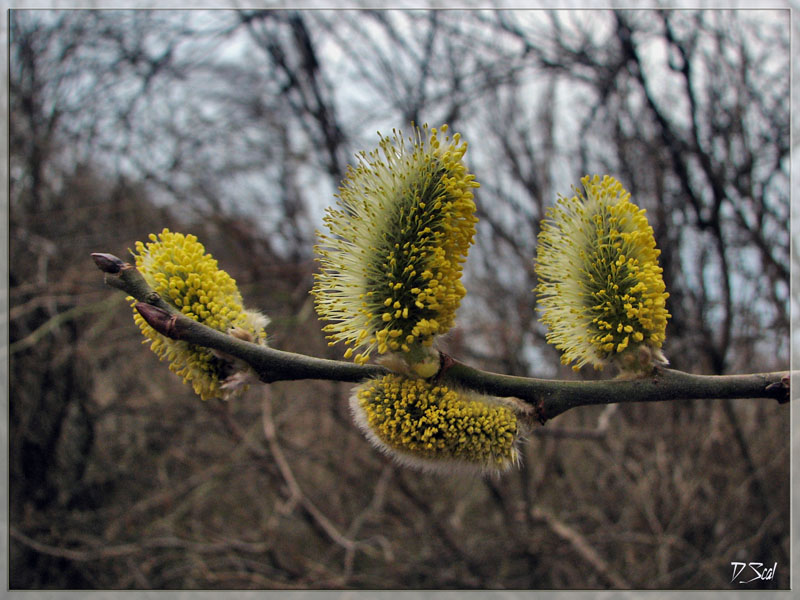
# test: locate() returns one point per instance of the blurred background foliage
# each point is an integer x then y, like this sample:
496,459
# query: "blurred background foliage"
237,126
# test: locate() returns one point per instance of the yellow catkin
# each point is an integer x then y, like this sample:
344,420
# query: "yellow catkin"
601,291
434,427
179,269
391,261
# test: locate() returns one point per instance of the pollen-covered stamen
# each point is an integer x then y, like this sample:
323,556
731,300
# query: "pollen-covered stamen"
390,268
178,268
601,291
432,426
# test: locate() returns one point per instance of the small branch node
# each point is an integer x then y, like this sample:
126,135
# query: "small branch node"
445,362
781,389
541,412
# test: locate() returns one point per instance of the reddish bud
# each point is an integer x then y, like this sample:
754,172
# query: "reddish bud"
159,319
108,263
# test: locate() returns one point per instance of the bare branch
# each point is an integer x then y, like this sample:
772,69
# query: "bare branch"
581,546
553,397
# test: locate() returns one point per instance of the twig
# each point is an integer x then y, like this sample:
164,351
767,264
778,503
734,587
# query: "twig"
321,521
271,365
581,546
102,551
57,321
549,398
378,498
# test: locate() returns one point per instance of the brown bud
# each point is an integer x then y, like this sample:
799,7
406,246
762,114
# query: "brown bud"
159,319
108,263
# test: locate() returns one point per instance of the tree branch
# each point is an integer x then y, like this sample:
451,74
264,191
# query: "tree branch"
548,398
553,397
